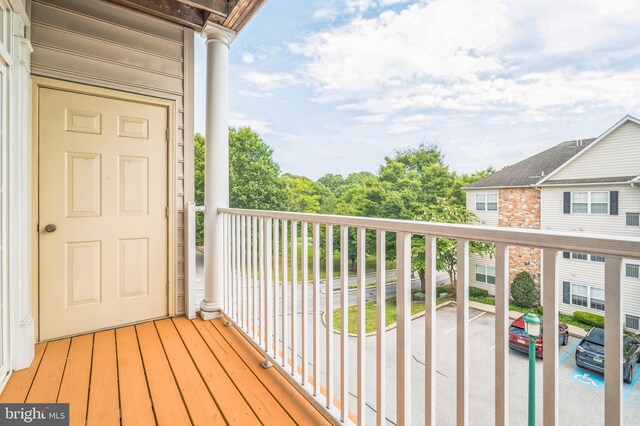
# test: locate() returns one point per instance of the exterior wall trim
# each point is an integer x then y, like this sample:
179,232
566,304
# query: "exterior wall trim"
43,82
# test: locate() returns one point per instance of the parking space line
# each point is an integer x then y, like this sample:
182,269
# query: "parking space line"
492,347
564,357
454,328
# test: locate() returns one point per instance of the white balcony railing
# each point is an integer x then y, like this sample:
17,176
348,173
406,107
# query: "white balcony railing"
262,263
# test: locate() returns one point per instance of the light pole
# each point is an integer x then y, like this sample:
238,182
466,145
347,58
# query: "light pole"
533,327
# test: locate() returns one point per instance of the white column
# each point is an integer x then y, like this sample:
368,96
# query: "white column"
216,193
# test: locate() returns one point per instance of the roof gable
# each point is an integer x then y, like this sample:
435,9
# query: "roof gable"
614,153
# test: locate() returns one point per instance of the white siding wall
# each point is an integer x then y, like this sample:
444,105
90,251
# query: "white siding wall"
487,217
618,154
553,218
98,43
476,259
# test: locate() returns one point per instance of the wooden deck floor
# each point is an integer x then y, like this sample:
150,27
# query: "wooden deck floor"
167,372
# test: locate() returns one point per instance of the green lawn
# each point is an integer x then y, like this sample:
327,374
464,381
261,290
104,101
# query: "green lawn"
370,314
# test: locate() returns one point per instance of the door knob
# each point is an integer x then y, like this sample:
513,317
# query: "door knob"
50,228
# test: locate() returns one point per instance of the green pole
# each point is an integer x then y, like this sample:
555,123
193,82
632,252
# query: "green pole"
532,382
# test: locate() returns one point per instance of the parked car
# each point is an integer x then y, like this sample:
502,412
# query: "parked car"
519,341
590,353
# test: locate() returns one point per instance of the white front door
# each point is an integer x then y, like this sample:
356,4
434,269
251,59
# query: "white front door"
102,212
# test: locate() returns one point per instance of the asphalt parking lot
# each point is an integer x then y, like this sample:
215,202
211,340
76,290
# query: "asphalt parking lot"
581,391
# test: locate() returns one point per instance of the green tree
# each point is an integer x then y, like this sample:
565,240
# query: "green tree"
254,176
446,248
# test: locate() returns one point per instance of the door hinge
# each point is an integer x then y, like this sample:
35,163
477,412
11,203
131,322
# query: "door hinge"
166,135
166,212
37,227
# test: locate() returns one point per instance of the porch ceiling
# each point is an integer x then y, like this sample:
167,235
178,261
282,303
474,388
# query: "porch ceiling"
167,372
232,14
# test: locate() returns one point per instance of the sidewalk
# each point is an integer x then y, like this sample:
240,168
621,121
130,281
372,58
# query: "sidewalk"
573,330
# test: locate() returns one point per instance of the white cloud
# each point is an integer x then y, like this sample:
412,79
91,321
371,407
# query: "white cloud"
240,120
327,14
248,58
267,81
533,58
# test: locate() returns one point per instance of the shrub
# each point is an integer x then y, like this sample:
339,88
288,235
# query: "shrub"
539,311
523,290
588,318
477,292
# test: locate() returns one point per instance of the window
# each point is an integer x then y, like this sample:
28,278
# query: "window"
631,321
632,271
486,274
580,256
579,295
579,202
583,256
633,219
594,202
488,202
599,203
597,298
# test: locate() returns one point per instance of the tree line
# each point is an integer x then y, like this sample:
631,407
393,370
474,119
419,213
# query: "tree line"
413,184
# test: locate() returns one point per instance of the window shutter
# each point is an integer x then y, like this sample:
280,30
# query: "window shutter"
566,255
613,203
567,202
566,292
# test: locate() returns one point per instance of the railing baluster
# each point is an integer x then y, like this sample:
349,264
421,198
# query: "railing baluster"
243,270
361,271
344,322
294,294
225,218
234,268
276,282
261,281
381,323
403,350
238,270
462,342
304,259
267,285
256,276
612,341
329,315
551,352
430,329
316,309
249,281
285,278
502,335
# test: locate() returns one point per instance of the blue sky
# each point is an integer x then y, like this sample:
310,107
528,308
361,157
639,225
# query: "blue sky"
334,86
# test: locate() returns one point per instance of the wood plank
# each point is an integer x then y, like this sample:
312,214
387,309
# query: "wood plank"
20,382
103,398
219,7
167,402
75,382
46,384
292,401
213,367
234,408
135,403
199,402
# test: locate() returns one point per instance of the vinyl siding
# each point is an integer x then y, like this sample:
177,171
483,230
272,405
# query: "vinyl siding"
553,217
476,259
586,272
101,44
618,154
489,218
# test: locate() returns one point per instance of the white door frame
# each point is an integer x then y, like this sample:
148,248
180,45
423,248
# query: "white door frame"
42,82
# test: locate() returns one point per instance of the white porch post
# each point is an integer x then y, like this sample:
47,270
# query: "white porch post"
216,193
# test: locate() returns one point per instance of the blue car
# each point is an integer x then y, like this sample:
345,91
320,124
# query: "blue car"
590,353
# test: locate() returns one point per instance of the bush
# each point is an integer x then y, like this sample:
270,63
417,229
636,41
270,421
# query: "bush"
588,318
477,292
539,311
523,290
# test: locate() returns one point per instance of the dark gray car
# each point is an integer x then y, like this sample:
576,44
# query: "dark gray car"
590,353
